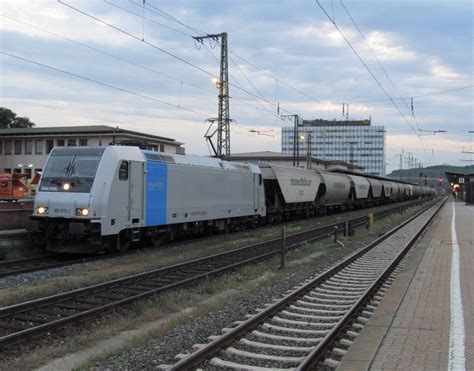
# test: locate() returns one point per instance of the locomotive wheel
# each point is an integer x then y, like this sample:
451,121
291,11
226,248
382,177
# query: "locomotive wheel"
122,242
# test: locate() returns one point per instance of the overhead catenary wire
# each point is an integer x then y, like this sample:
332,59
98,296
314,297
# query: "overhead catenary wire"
419,96
147,19
166,15
103,52
378,61
104,84
252,96
154,71
368,69
150,44
172,55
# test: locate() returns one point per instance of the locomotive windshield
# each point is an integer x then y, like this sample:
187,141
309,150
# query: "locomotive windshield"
70,170
72,167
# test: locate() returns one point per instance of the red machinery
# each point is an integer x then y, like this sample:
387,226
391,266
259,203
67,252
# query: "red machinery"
13,187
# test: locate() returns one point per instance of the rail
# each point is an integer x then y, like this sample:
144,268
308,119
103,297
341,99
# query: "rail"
209,350
19,322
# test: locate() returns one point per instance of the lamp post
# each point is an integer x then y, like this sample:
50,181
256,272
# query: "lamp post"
308,149
308,152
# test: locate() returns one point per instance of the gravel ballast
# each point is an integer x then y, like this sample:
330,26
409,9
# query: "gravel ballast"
163,349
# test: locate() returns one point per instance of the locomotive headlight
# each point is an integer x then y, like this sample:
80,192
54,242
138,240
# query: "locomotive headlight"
66,186
82,212
42,210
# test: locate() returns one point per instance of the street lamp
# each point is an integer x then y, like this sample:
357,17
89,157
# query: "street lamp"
308,149
215,81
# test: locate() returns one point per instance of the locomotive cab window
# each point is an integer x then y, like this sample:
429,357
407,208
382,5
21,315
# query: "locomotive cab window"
123,171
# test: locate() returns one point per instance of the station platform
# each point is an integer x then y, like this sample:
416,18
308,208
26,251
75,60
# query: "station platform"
426,319
12,232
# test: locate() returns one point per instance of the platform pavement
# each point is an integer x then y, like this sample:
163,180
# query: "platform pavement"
10,232
410,329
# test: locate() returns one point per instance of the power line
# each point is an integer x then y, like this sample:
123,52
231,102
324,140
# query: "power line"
367,68
275,77
104,84
420,96
376,58
148,19
237,84
107,54
170,17
139,39
252,96
150,44
120,58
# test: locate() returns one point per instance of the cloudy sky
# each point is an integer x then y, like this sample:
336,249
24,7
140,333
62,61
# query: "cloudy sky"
284,53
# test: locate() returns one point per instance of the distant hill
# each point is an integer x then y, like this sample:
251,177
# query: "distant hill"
433,173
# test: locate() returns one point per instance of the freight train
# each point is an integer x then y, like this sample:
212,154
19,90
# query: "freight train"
105,198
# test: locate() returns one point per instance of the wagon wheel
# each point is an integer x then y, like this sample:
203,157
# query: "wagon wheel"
153,241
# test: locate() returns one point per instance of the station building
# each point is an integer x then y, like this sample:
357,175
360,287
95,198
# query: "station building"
351,141
27,149
277,158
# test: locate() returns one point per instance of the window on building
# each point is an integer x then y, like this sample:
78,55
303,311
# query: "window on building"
83,142
16,171
60,142
71,142
123,171
28,147
18,145
162,147
7,170
38,147
49,145
1,147
28,171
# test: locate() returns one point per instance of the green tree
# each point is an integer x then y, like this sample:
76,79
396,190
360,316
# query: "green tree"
9,120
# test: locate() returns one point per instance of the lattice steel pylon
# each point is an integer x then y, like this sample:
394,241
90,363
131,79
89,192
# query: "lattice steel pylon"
222,147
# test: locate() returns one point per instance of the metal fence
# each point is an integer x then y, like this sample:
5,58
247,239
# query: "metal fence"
14,215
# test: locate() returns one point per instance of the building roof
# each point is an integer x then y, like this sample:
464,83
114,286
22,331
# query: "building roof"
89,129
321,122
454,176
270,155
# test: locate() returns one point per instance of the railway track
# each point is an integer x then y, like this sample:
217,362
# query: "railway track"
16,267
21,321
314,324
